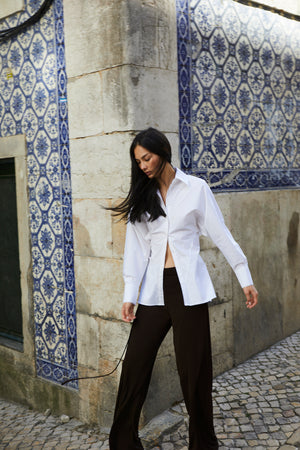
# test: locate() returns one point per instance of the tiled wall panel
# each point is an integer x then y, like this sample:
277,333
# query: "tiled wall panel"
239,93
33,101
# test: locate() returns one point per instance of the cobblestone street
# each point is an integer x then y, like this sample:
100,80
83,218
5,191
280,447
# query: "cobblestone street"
257,406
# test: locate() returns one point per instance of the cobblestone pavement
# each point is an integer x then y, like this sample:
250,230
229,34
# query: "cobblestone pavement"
257,406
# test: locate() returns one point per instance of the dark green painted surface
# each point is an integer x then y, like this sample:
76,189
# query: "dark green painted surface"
10,291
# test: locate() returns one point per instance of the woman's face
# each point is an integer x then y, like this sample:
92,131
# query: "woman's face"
148,162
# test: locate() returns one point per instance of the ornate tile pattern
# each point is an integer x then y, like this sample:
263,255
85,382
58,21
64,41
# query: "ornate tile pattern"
239,95
33,101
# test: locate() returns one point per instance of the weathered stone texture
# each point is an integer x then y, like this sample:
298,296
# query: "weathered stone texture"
94,35
92,228
220,272
88,342
99,286
121,64
261,220
94,161
85,106
113,33
113,338
288,222
9,7
152,33
221,325
155,99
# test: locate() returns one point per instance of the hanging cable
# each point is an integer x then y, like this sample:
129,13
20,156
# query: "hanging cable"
11,32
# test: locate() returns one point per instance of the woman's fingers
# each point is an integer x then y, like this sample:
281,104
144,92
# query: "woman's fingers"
251,296
127,312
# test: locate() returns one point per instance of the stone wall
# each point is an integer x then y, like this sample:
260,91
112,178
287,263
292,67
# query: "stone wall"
9,7
266,225
121,66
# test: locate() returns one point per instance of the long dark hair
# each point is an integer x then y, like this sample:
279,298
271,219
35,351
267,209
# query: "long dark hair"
142,196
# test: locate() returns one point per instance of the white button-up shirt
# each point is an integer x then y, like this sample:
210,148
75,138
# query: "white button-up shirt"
191,210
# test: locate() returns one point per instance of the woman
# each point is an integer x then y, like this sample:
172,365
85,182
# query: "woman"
166,212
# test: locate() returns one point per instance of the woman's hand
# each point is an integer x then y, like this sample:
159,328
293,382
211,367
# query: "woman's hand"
251,296
127,312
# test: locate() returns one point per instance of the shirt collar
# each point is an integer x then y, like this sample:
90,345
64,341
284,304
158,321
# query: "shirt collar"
181,176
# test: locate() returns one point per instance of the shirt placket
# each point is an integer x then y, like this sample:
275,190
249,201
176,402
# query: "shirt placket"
162,262
166,206
169,206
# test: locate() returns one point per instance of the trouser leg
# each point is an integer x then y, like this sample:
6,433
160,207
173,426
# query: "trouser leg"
193,356
148,331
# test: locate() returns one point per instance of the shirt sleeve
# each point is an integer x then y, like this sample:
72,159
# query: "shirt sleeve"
212,224
136,256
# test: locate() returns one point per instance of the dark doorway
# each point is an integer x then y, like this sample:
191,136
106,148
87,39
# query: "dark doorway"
10,290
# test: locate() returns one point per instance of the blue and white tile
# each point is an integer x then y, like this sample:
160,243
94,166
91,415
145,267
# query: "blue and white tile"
32,84
244,78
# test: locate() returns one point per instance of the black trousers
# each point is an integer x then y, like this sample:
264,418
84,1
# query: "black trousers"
193,357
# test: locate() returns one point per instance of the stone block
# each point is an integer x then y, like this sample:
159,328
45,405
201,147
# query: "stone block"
108,389
221,273
221,336
222,362
92,228
126,39
258,328
223,201
132,32
174,141
151,38
98,395
221,327
289,244
99,286
206,243
294,439
100,166
88,341
167,346
94,35
166,422
85,105
118,236
113,338
164,389
9,7
13,146
138,97
117,105
155,97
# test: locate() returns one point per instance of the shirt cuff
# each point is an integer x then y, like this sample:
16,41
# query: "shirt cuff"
243,275
130,293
